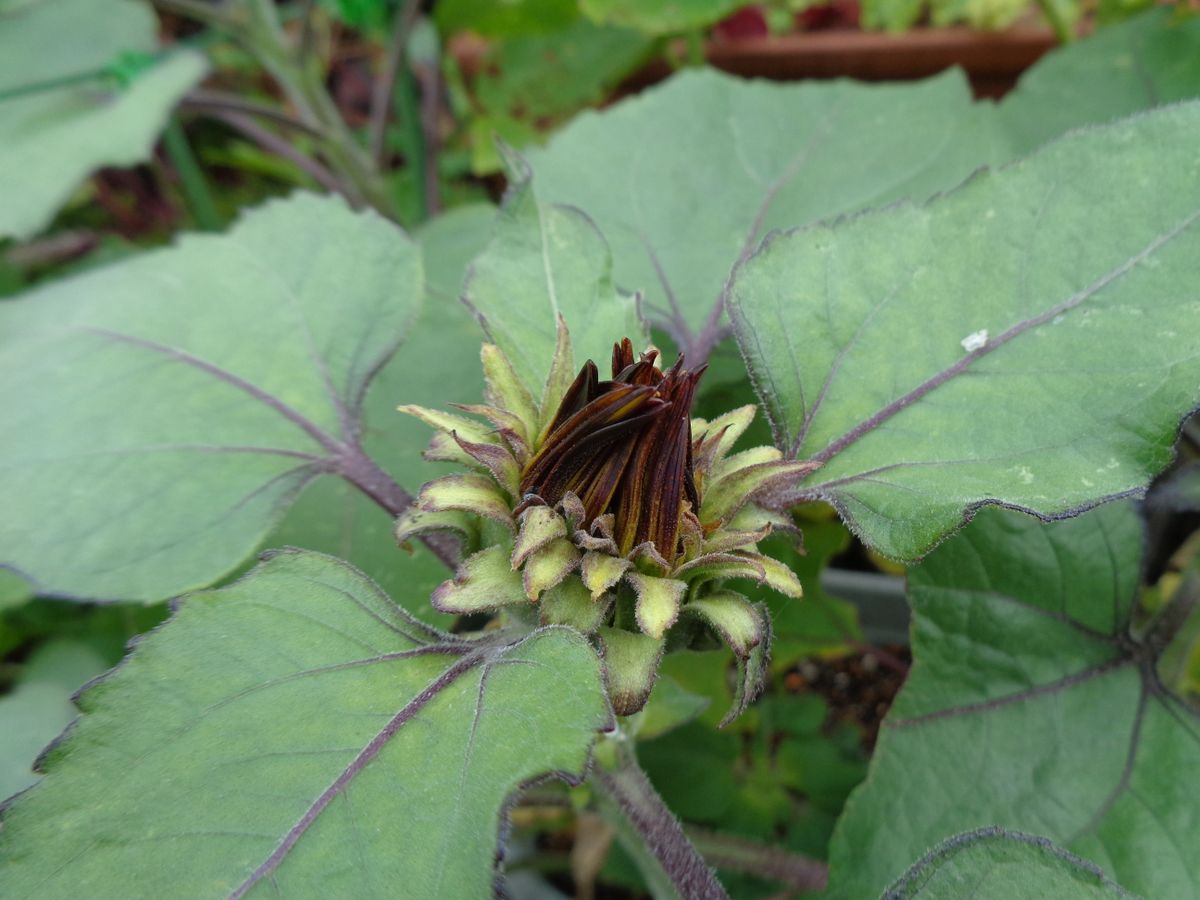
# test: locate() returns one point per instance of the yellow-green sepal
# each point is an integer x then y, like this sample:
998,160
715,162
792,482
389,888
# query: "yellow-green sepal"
569,603
415,522
470,493
539,526
562,373
601,571
443,421
733,488
503,389
630,667
548,566
658,602
483,582
734,618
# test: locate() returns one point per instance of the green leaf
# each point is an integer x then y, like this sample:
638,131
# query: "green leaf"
14,590
336,518
686,178
39,707
1060,383
1139,64
546,261
504,18
1031,706
544,76
164,411
659,17
993,864
298,732
57,125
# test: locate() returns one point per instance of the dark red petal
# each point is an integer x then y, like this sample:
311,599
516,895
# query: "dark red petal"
582,391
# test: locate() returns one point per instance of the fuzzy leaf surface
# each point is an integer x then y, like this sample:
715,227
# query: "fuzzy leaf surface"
298,733
546,260
1002,343
53,138
1029,707
163,412
1139,64
993,864
437,365
686,178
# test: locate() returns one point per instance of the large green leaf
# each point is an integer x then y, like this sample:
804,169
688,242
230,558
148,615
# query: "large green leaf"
436,366
545,261
1149,60
54,137
994,864
545,76
297,733
686,178
1032,706
160,414
1027,339
39,707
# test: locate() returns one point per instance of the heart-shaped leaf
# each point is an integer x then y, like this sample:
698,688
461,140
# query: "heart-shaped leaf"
57,124
1031,705
298,732
1001,343
161,414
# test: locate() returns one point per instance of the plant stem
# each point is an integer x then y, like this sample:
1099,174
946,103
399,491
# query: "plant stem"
195,186
302,83
650,833
207,101
768,863
1062,28
273,143
394,63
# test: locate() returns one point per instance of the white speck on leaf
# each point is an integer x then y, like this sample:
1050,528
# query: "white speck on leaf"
1087,483
975,340
1024,473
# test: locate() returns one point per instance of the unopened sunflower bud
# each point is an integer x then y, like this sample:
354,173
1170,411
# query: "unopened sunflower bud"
612,510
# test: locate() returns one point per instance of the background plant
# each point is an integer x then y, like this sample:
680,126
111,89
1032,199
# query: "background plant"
151,447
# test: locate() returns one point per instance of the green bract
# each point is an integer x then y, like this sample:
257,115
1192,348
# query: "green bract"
607,507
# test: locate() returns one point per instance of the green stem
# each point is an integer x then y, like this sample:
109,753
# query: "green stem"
649,832
195,185
409,114
302,82
1062,28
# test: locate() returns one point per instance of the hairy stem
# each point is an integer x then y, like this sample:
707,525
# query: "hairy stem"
302,82
739,854
650,833
202,100
353,464
273,143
